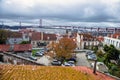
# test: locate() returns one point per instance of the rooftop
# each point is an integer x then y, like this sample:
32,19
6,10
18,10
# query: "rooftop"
46,36
27,72
4,48
22,47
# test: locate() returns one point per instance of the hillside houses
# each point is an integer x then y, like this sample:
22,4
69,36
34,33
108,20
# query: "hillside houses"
39,39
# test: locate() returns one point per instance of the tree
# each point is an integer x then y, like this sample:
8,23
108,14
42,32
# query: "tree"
106,48
64,48
100,53
3,36
95,48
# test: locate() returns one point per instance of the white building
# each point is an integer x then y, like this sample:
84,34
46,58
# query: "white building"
113,41
86,40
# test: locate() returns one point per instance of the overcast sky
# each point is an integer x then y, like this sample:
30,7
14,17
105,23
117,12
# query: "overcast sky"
61,12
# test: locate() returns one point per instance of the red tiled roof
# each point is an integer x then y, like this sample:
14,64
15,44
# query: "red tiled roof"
116,35
22,47
4,48
100,38
46,36
49,37
87,36
98,75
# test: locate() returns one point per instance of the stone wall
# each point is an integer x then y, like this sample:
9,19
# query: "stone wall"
17,60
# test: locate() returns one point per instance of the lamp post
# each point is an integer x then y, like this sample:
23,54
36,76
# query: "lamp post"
94,68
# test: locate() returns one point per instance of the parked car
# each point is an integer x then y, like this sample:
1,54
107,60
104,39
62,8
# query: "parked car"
72,59
39,54
33,58
66,64
69,63
72,63
91,57
88,53
56,62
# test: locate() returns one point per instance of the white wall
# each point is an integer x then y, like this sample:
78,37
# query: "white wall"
113,41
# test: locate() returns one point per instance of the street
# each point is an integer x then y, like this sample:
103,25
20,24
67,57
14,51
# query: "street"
82,60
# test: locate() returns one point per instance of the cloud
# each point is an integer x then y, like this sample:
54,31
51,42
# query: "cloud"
61,10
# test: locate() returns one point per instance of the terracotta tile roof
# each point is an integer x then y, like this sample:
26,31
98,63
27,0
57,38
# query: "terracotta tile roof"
46,36
49,37
87,36
116,35
4,48
22,47
100,38
98,75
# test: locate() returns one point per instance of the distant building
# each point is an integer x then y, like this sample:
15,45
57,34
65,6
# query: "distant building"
26,34
39,39
113,39
84,40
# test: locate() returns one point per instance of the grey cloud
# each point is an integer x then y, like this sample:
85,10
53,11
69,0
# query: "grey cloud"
87,12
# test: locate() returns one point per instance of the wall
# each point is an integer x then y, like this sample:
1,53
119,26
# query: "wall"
15,59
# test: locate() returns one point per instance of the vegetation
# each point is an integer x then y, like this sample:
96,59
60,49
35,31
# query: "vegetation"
13,72
95,48
3,36
112,54
34,51
25,42
64,48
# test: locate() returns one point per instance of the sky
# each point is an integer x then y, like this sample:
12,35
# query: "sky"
61,12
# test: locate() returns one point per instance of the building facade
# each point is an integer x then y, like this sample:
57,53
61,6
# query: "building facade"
85,40
112,41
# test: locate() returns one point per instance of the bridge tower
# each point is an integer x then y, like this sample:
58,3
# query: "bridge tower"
20,23
40,23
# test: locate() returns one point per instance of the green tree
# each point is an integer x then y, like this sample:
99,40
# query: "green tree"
95,48
3,36
106,48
